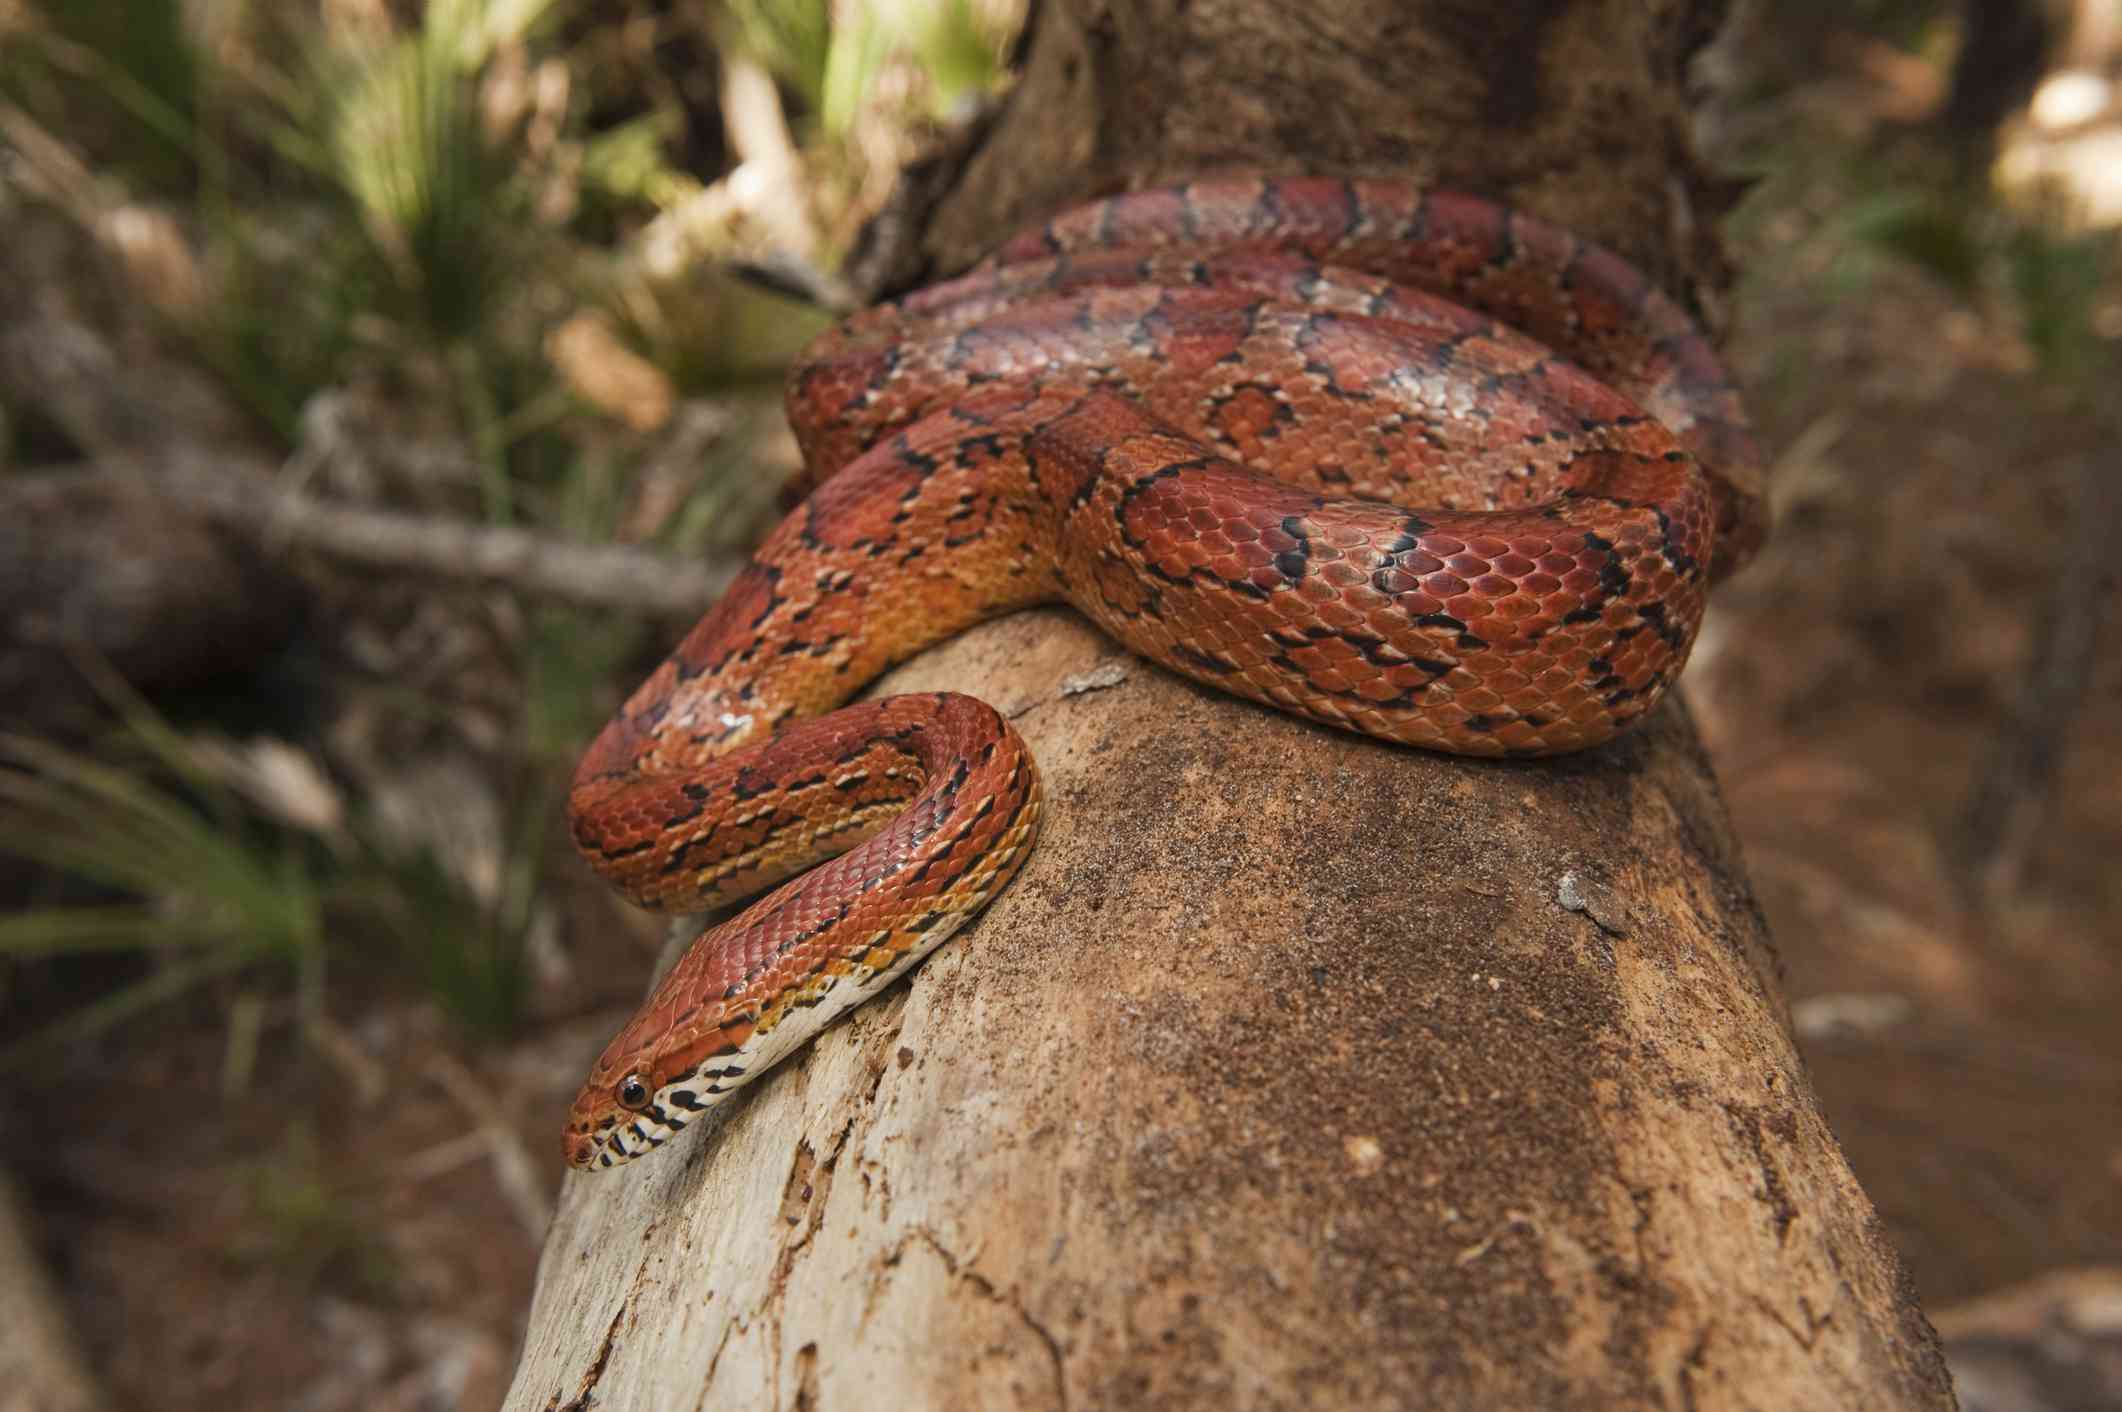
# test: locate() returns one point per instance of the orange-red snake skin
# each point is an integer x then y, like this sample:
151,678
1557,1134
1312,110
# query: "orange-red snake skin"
1405,462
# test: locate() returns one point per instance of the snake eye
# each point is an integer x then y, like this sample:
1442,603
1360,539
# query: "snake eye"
633,1093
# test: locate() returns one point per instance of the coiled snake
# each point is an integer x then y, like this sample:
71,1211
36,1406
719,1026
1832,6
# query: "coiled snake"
1468,543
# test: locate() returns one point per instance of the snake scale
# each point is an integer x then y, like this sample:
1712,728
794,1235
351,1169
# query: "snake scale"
1405,462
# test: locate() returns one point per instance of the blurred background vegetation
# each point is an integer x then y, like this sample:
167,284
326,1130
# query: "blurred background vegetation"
488,242
432,327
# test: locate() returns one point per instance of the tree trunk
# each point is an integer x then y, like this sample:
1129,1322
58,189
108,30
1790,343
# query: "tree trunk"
1296,1069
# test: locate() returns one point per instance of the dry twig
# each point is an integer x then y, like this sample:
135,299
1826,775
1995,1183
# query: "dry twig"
592,575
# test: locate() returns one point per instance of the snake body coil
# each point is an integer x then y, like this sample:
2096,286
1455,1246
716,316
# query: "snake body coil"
1308,441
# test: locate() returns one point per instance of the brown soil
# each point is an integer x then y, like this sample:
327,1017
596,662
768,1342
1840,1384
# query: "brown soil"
1947,912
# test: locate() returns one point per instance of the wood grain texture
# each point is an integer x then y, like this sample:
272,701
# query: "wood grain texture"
1293,1071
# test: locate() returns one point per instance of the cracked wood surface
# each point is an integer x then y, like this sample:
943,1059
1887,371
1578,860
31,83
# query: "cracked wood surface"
1285,1076
1296,1070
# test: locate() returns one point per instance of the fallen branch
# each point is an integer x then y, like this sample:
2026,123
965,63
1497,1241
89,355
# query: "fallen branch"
1294,1069
41,1370
591,575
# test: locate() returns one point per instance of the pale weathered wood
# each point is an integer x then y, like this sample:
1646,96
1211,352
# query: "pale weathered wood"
41,1368
1296,1070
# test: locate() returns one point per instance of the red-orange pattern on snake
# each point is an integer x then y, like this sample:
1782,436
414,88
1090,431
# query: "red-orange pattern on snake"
1307,441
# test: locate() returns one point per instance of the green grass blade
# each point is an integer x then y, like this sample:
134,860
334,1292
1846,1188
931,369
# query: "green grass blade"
65,931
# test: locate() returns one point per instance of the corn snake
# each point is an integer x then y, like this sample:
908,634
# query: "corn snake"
1470,544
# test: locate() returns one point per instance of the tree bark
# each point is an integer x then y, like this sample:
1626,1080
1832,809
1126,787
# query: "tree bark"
1296,1069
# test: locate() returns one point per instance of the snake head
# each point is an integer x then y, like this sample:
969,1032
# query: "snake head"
645,1088
621,1114
670,1064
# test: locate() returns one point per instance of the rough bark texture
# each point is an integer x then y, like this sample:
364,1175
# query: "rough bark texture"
1295,1070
